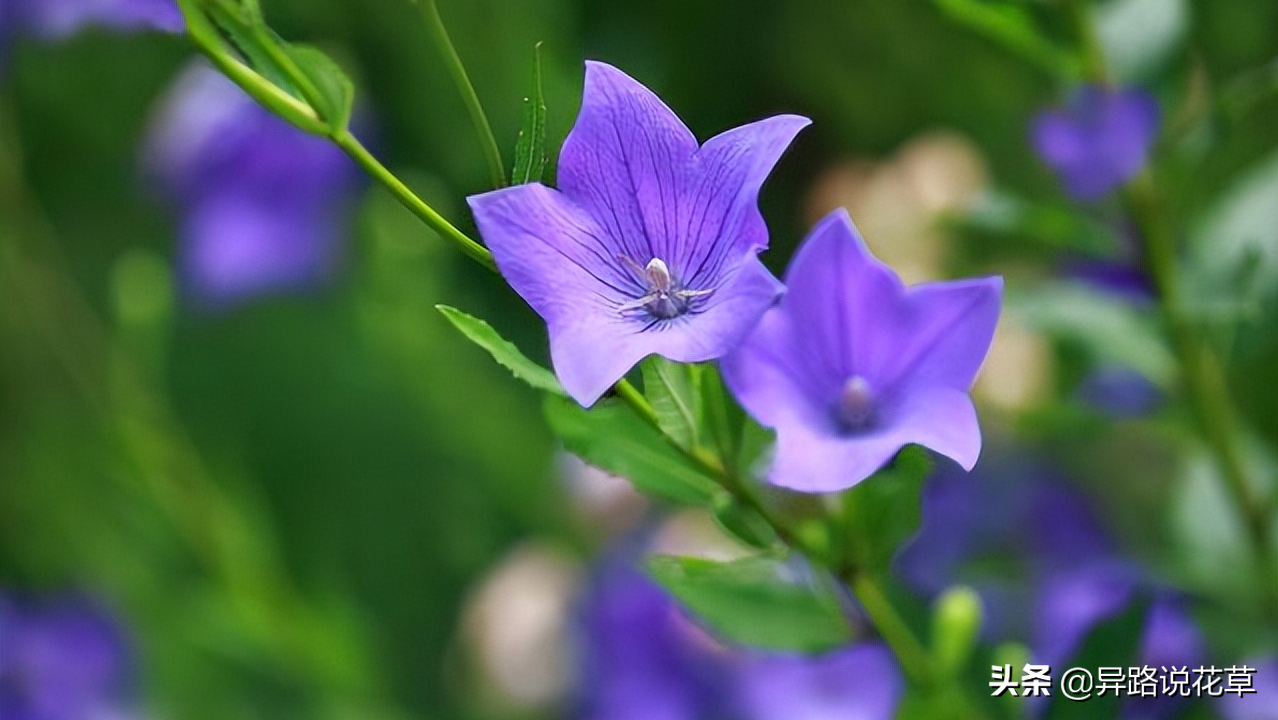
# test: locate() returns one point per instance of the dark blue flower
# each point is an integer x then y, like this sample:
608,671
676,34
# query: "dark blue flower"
1099,140
263,204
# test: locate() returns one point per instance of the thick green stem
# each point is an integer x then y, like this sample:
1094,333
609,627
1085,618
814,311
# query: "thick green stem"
1094,67
488,143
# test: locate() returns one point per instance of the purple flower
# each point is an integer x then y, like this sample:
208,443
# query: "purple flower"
641,658
650,244
1099,140
64,660
857,683
263,204
56,19
1260,705
851,366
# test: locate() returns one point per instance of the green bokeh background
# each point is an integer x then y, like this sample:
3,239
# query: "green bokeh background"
290,500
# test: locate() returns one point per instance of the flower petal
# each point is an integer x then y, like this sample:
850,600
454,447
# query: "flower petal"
552,254
636,168
729,316
718,215
842,296
809,459
622,160
948,330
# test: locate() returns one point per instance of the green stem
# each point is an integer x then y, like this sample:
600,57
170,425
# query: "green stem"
914,658
1204,378
1203,373
1095,68
488,142
371,165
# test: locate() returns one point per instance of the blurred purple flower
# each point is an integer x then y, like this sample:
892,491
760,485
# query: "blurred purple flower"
1045,567
650,244
1099,140
66,659
641,658
56,19
1118,391
851,365
263,204
1260,705
857,683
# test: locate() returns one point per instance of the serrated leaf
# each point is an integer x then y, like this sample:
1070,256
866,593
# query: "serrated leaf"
1011,27
674,390
755,602
883,511
336,92
502,350
611,437
530,147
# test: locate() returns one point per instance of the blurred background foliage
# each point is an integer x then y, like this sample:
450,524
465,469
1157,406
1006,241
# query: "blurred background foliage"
291,500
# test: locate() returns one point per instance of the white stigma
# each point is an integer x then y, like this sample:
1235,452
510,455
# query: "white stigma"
658,275
856,403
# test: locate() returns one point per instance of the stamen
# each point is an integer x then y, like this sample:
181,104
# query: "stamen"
856,404
664,300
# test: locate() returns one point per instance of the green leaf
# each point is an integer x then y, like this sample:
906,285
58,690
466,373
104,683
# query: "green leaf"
1140,36
250,39
674,390
1108,331
335,96
530,147
882,511
610,436
1001,216
302,71
755,602
724,419
502,350
1113,643
743,522
1010,26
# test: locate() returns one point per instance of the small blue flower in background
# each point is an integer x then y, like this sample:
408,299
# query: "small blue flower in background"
650,243
851,365
62,659
263,205
57,19
1099,140
643,659
1261,704
1060,574
862,682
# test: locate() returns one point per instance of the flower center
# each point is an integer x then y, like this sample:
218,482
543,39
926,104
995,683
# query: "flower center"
665,299
856,404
